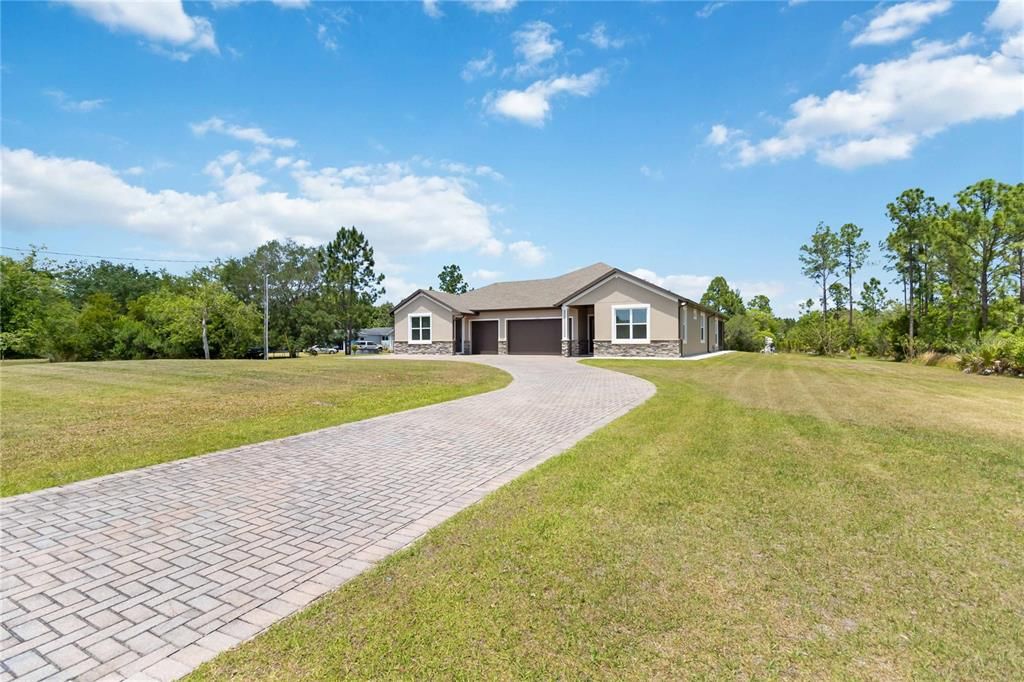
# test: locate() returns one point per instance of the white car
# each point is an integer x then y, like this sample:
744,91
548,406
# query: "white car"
327,350
366,347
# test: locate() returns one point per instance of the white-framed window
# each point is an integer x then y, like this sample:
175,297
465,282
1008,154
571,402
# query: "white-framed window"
631,323
686,325
703,326
419,328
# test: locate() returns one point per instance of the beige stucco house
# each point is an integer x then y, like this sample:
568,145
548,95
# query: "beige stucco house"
597,310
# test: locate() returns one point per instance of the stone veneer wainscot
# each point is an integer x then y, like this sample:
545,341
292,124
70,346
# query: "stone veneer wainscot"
434,348
654,349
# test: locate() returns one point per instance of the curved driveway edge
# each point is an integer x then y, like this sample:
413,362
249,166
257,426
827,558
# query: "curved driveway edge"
146,574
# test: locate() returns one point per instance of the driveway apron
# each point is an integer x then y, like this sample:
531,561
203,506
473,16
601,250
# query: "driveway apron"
148,573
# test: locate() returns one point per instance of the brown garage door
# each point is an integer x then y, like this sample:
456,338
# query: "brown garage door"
534,337
483,337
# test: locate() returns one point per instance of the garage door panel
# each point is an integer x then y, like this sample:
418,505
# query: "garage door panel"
483,337
534,337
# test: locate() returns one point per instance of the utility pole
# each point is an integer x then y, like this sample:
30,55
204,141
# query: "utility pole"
266,317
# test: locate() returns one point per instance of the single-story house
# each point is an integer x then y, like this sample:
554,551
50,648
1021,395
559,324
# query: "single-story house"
597,310
382,335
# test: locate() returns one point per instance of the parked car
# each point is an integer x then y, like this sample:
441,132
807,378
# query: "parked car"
326,350
366,347
253,354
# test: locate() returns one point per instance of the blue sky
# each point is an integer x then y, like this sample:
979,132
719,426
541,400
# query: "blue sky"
676,140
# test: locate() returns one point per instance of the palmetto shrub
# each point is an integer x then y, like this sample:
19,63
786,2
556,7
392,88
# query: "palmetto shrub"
995,353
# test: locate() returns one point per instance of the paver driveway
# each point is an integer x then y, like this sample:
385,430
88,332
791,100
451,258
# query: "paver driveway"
148,573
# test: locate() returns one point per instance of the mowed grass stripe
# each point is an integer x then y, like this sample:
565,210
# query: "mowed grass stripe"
68,422
704,536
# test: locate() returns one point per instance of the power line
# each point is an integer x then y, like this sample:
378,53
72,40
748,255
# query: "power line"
85,255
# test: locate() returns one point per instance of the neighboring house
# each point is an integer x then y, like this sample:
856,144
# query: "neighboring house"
598,310
382,335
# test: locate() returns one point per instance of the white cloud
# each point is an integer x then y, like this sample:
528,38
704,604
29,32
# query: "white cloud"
479,68
485,275
397,287
1007,17
710,8
134,170
900,21
527,253
255,135
163,22
432,8
492,247
868,152
282,161
720,135
466,170
488,172
535,45
694,286
260,155
283,4
691,286
323,34
533,105
400,212
893,107
1014,46
599,38
492,6
750,288
82,106
652,173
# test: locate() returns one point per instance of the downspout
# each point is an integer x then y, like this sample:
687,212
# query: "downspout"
682,329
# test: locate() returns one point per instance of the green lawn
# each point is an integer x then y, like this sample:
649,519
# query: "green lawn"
67,422
759,517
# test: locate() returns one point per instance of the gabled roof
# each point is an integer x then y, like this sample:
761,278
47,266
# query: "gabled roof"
538,293
532,293
615,272
449,301
377,331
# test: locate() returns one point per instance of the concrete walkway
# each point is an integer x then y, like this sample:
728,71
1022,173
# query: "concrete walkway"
148,573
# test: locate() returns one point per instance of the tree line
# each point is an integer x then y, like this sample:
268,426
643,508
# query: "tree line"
958,276
105,311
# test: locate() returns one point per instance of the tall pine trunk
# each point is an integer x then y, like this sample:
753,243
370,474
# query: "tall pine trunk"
910,311
984,300
987,256
849,272
1020,285
824,310
206,341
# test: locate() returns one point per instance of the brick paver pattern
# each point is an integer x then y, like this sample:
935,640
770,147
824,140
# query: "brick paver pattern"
148,573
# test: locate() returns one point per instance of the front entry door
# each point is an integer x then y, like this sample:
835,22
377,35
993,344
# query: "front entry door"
590,335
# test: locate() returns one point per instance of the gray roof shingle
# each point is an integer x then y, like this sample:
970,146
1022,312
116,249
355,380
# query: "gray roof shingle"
531,293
